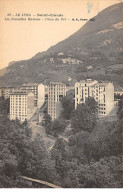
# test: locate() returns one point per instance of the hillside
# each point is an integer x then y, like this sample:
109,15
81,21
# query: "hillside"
95,51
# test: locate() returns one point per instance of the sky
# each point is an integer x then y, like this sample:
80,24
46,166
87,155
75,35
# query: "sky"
22,39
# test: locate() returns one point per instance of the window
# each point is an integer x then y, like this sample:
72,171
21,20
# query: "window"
104,98
77,90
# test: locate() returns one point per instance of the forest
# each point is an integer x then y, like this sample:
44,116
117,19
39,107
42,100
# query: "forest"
92,157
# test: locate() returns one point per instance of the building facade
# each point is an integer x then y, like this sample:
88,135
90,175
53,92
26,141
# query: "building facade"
83,90
5,91
56,91
38,90
103,94
21,105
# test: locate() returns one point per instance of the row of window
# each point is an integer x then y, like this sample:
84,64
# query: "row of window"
18,109
18,105
83,85
100,92
17,112
51,103
51,113
19,96
13,114
101,108
57,86
51,106
97,89
16,100
56,93
22,110
100,112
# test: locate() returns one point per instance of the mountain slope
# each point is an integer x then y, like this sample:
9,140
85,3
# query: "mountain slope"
94,51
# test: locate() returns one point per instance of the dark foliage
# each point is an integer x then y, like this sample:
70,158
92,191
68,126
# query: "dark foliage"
53,127
84,117
20,155
68,106
91,158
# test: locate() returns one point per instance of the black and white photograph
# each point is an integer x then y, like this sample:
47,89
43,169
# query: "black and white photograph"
61,94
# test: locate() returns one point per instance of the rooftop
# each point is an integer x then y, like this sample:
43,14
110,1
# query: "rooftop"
30,84
56,83
103,83
20,92
87,81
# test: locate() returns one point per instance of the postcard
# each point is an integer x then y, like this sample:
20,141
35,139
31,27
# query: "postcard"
61,93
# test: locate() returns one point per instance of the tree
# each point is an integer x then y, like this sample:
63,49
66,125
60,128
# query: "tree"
68,106
8,161
88,160
47,121
4,105
83,119
58,127
102,174
92,104
25,122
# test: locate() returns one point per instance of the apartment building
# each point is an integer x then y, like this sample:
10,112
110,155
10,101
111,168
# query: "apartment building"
21,105
5,91
102,92
83,90
56,90
38,90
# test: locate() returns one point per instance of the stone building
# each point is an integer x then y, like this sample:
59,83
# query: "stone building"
21,105
56,90
38,90
103,93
